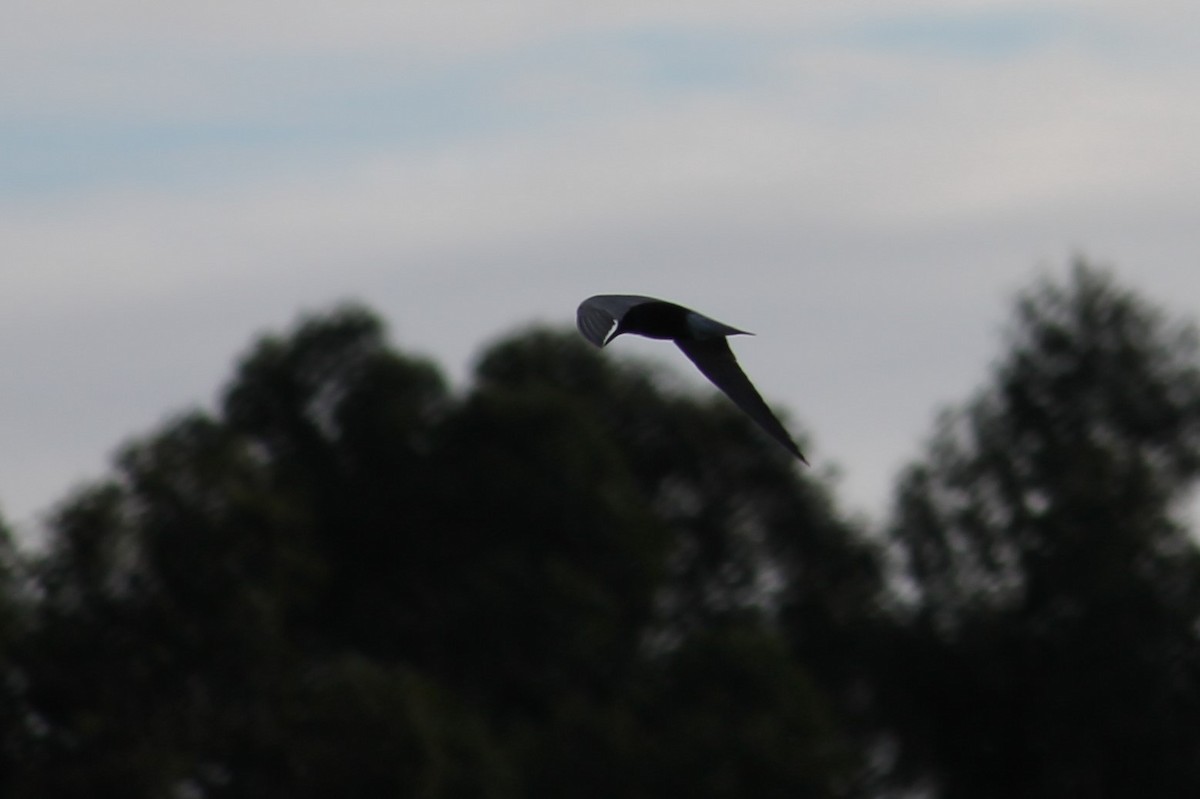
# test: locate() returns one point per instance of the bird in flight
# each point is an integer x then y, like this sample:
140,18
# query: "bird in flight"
702,339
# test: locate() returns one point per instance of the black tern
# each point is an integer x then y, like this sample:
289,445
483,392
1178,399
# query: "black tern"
702,339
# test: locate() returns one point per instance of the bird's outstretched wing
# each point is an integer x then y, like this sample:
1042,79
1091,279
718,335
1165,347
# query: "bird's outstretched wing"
598,316
716,361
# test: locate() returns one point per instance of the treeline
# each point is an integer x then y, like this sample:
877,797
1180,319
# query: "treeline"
566,580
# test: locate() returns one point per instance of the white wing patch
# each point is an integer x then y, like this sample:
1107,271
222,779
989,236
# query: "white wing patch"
611,332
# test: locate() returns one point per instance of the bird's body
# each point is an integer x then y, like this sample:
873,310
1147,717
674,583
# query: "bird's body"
702,339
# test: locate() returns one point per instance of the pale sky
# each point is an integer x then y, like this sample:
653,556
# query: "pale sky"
863,184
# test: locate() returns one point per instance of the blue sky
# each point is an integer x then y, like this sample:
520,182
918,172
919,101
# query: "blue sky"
862,186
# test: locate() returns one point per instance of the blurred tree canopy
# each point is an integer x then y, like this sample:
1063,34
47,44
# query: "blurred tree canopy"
567,579
1054,645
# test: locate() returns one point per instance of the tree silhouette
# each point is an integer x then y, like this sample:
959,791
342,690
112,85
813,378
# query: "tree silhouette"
569,577
352,579
1057,591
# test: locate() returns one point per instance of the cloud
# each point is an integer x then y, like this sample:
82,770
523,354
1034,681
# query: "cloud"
866,184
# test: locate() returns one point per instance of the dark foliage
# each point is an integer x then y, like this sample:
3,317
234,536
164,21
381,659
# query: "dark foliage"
352,582
1054,648
570,580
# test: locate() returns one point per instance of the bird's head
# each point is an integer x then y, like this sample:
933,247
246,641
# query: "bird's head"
702,327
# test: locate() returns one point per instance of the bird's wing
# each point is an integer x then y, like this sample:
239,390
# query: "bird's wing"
598,316
716,361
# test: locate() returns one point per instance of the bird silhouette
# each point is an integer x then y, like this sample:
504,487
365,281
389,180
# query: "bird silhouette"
702,339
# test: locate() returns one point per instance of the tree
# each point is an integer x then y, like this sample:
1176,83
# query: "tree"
196,624
1052,646
15,608
349,576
